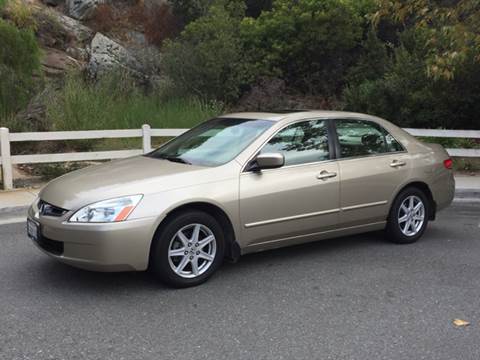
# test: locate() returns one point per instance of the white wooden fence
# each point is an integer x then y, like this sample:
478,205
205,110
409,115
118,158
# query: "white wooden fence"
146,133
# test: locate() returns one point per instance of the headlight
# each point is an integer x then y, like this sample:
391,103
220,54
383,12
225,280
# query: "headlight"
113,210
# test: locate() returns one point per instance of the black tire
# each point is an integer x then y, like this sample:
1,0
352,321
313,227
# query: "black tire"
159,259
393,230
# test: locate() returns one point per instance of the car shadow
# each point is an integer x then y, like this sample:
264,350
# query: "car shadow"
59,275
63,276
315,249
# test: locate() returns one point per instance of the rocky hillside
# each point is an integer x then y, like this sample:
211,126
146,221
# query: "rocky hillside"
91,35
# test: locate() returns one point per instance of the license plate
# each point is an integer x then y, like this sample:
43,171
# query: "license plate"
32,230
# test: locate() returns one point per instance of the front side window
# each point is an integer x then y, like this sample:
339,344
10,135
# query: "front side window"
212,143
363,138
301,143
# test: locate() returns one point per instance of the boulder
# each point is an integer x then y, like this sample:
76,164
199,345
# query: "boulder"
106,54
58,63
62,28
82,9
81,32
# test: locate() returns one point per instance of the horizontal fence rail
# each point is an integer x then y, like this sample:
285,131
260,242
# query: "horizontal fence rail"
146,133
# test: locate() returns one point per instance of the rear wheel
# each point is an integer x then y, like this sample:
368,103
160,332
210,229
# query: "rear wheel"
187,249
408,216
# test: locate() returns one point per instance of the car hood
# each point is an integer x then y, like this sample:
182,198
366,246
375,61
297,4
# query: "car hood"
136,175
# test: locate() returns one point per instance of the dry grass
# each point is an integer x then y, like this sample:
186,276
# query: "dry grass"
160,25
103,19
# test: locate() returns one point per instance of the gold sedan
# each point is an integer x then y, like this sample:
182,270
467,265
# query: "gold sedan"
243,183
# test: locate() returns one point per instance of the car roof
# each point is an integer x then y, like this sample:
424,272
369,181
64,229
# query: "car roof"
287,115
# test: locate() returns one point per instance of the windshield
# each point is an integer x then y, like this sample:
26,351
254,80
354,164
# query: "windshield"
212,143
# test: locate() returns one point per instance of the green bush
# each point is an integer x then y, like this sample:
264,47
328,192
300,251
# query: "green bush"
19,61
308,43
187,11
114,102
404,93
207,59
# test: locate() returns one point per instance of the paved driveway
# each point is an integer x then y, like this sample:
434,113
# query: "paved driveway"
349,298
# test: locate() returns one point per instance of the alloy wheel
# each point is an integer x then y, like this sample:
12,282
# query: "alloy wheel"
192,250
411,215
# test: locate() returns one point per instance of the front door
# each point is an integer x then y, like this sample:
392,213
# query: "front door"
298,199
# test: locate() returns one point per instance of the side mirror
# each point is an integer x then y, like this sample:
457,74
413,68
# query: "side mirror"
269,161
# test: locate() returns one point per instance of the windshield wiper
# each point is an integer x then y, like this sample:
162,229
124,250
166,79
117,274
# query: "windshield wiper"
175,159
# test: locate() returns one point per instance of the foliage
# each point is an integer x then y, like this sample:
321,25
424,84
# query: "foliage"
309,43
103,19
207,60
405,93
19,60
160,24
451,28
255,7
190,10
115,102
20,14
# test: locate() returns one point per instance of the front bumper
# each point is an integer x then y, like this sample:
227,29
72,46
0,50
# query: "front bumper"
122,246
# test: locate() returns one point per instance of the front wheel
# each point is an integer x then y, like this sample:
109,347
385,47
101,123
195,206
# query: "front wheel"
408,216
188,249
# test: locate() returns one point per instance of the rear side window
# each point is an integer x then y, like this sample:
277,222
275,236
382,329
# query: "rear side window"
301,143
392,144
363,138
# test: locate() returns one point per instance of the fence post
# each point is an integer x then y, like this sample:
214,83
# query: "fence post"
6,159
147,138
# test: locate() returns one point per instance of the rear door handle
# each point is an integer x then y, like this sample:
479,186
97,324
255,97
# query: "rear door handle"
397,163
326,175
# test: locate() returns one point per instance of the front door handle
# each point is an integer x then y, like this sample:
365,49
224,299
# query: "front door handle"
326,175
397,163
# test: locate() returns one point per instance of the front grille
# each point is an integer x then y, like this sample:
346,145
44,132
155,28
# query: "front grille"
47,209
52,246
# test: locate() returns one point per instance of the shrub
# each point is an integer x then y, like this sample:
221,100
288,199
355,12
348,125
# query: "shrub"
103,19
19,60
160,24
190,10
115,102
136,13
20,14
255,7
207,59
406,95
308,43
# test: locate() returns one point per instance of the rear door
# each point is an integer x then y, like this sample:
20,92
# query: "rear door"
372,166
298,199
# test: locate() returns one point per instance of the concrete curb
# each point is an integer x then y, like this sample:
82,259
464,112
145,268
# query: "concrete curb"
13,209
467,195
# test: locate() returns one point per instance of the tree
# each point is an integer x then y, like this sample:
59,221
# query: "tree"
307,42
206,60
451,29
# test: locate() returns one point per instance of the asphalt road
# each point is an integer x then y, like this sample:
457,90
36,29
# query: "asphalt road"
350,298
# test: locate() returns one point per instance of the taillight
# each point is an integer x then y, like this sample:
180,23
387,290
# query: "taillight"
448,163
